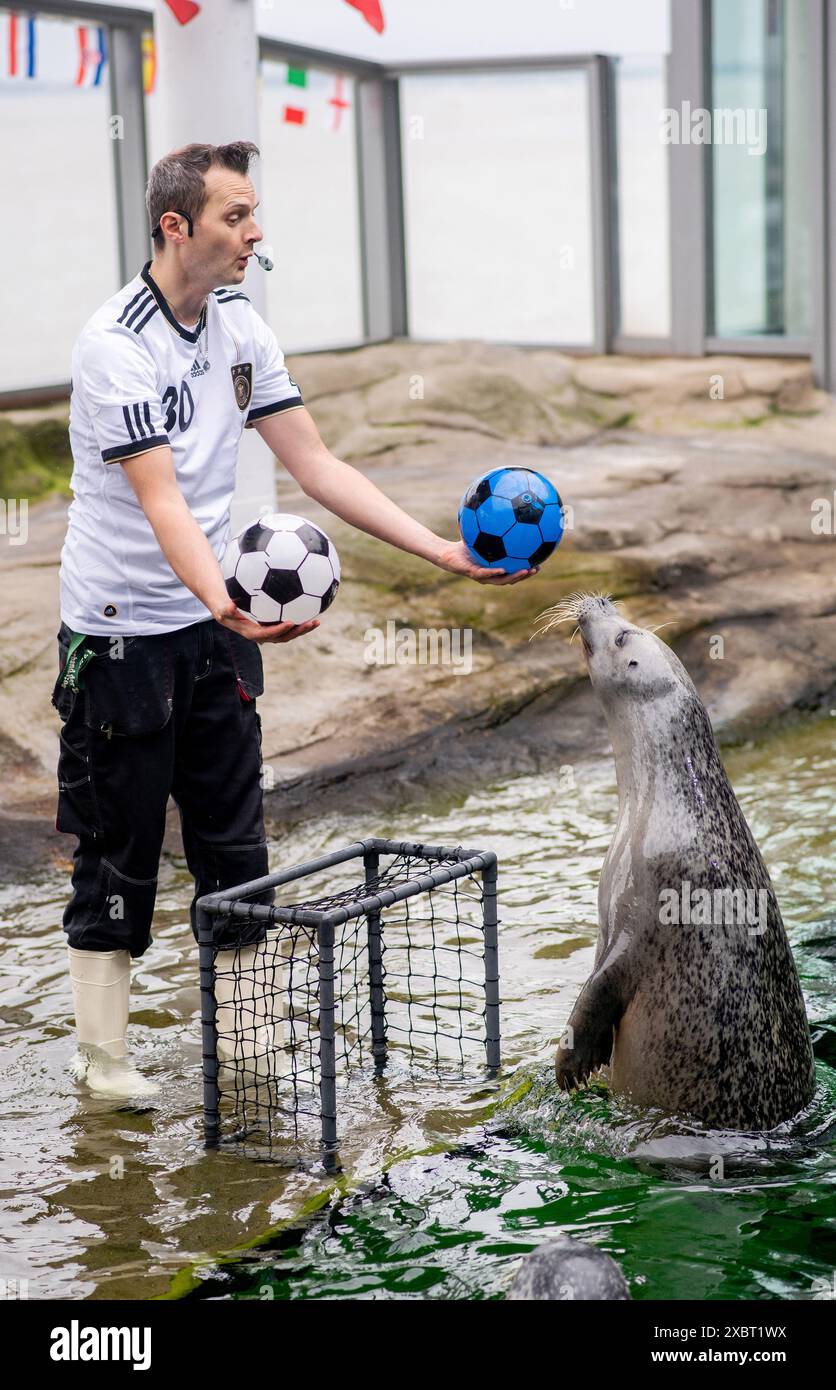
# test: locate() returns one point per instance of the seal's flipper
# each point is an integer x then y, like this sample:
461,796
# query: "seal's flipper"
591,1050
587,1040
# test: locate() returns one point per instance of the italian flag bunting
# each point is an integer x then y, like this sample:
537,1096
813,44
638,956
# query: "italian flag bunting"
295,115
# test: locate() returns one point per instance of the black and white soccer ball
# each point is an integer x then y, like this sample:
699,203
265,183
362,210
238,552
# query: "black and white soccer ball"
281,569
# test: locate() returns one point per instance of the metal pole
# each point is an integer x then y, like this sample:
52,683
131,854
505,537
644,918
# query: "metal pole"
377,998
604,202
130,160
490,923
311,866
775,39
380,186
327,1050
689,188
829,139
209,1032
229,903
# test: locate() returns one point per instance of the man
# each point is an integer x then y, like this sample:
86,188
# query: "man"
159,671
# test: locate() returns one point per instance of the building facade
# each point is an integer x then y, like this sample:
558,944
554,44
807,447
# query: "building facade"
670,189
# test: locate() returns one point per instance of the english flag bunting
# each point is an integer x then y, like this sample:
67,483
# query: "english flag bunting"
338,102
371,12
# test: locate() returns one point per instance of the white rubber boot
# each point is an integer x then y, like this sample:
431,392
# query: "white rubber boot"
249,984
101,983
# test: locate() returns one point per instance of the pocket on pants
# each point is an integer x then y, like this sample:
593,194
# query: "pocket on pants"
129,685
246,663
108,910
78,810
228,866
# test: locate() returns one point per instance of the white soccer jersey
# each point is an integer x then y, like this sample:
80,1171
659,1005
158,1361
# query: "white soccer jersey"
141,379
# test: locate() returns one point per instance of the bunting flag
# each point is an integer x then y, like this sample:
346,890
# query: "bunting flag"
91,60
371,12
338,102
22,59
329,108
149,63
183,10
295,115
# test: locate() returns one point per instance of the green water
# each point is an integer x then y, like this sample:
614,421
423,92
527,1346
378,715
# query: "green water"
446,1184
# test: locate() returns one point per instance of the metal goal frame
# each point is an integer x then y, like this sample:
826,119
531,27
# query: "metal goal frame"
450,864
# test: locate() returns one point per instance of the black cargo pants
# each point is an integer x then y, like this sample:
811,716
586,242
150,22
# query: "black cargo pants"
172,713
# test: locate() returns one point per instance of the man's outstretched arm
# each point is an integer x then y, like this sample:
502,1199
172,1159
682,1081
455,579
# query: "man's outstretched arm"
349,494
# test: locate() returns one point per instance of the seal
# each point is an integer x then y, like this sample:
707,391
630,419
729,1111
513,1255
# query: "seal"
694,998
566,1268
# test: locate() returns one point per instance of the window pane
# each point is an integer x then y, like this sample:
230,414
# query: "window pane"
58,244
643,229
760,70
310,211
497,206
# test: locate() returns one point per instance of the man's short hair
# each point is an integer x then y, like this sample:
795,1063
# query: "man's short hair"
176,180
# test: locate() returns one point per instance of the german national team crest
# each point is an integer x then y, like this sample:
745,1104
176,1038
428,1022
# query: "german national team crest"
242,380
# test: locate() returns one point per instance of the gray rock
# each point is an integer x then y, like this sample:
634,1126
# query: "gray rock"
707,532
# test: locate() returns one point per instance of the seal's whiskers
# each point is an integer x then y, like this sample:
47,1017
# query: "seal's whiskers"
566,609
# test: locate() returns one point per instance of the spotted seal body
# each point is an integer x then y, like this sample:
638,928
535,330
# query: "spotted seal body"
694,998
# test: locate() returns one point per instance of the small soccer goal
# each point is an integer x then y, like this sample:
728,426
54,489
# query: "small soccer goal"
304,999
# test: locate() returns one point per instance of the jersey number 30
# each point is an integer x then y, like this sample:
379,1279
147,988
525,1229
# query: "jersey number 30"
179,407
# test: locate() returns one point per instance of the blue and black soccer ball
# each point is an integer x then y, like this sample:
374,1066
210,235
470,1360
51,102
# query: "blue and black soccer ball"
511,519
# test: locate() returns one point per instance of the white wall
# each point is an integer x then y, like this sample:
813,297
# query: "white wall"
643,210
58,243
497,206
428,29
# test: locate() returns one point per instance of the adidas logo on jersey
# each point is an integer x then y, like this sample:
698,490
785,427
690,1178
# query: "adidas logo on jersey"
198,369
